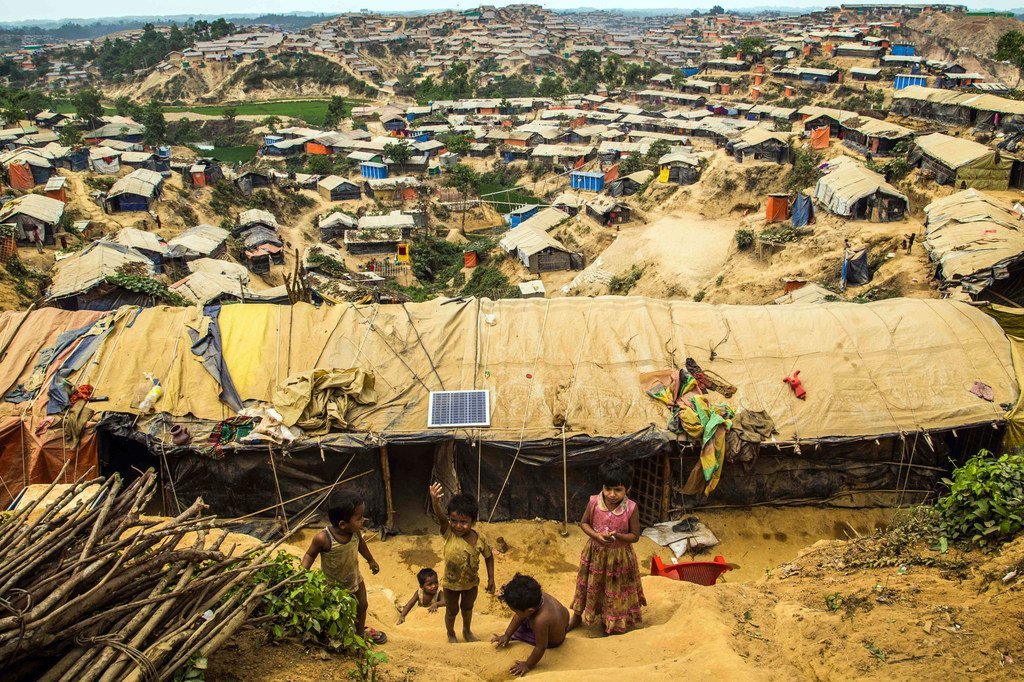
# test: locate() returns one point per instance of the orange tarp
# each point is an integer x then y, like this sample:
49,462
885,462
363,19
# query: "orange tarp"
317,148
20,175
59,195
199,179
820,137
778,209
612,173
27,458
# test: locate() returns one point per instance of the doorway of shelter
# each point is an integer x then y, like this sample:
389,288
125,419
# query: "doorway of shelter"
411,473
130,459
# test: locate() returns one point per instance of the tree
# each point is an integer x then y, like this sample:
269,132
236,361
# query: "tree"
88,105
319,164
70,136
125,107
229,113
464,179
398,152
551,87
504,106
657,150
751,46
457,143
1010,48
13,113
271,123
335,112
716,10
156,124
728,51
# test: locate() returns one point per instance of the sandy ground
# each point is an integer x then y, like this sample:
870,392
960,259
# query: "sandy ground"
769,619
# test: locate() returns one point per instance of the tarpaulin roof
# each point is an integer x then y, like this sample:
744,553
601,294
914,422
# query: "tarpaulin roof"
894,366
847,182
201,239
141,181
256,215
87,268
953,151
140,239
971,235
527,240
36,206
982,102
872,127
546,220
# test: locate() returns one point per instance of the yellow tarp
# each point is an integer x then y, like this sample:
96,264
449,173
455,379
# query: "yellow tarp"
1012,322
895,366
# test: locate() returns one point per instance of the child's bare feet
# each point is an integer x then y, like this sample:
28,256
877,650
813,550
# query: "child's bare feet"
574,622
469,636
452,639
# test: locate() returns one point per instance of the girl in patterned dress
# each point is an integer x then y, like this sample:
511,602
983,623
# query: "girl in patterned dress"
608,583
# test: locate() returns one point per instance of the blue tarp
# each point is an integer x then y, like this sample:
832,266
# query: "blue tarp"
210,349
803,212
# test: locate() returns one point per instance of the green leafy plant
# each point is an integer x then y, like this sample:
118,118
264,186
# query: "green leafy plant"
744,239
314,611
621,285
985,501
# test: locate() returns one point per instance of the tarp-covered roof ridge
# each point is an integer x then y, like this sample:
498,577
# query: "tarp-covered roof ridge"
891,367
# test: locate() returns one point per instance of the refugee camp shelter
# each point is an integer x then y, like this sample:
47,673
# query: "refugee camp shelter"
536,249
150,245
26,168
134,192
379,233
261,247
977,244
200,241
869,135
337,188
57,188
548,419
848,188
203,173
607,211
966,163
628,185
82,281
680,167
256,217
34,217
762,144
250,179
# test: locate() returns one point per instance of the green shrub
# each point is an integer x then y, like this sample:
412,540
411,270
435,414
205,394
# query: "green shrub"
621,285
435,260
314,611
744,239
985,501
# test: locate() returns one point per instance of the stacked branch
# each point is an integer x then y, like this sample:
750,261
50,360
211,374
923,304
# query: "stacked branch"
90,589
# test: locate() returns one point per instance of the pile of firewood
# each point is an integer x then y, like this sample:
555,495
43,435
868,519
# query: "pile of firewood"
91,589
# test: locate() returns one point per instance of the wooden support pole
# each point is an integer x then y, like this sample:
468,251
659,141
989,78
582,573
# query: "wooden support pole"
386,470
666,486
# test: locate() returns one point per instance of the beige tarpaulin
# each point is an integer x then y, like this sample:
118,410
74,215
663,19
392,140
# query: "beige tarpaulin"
1012,322
318,400
895,366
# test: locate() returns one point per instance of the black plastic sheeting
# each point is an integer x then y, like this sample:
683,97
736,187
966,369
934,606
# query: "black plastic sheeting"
243,482
535,487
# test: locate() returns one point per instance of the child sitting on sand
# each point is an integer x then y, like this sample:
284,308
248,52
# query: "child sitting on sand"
539,619
462,549
608,583
428,596
338,546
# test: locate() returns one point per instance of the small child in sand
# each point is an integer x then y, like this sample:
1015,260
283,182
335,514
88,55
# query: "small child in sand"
608,584
539,619
463,546
339,546
428,596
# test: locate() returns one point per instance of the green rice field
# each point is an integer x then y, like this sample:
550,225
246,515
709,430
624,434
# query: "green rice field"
312,111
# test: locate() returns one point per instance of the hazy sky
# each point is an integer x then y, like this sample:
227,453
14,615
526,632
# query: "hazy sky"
60,9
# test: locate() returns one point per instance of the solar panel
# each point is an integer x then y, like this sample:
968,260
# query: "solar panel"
459,408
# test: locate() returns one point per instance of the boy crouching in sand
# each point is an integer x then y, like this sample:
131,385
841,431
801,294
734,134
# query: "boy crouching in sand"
539,619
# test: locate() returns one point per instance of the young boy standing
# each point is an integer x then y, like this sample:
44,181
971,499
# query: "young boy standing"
339,547
539,619
463,546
